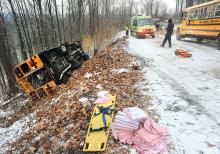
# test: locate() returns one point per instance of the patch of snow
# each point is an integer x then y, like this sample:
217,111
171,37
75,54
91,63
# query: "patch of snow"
10,134
88,75
102,93
55,100
98,86
118,36
133,151
83,100
121,70
5,113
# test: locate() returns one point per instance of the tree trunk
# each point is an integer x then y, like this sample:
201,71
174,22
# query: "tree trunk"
24,27
21,42
63,24
58,23
53,32
42,24
38,27
6,61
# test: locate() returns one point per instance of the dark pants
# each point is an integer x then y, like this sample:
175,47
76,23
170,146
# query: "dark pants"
127,32
167,37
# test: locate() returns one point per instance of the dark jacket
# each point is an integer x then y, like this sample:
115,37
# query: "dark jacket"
170,28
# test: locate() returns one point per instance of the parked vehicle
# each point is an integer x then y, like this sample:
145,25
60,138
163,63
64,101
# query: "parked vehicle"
142,26
39,75
201,22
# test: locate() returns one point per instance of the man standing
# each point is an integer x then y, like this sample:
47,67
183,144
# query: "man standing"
169,33
157,26
127,30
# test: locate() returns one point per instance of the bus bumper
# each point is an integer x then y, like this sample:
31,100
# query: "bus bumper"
144,34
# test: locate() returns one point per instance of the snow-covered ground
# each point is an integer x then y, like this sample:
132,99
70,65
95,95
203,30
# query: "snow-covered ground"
185,92
10,134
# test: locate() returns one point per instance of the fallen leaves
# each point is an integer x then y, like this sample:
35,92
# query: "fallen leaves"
62,122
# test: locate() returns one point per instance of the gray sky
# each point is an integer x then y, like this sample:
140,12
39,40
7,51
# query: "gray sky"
170,3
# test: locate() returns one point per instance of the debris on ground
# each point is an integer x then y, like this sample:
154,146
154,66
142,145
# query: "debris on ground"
183,53
133,126
61,121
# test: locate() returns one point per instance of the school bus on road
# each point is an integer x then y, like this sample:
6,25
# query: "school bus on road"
142,26
201,22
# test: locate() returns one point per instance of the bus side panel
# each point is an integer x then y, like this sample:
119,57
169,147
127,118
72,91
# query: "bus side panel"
204,28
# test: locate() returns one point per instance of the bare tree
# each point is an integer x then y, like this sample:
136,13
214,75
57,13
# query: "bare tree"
7,78
57,18
21,42
40,24
156,7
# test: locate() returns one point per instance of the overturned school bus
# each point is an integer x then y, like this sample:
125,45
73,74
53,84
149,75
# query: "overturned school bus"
39,75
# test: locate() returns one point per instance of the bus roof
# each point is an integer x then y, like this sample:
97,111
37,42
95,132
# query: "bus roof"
201,5
141,17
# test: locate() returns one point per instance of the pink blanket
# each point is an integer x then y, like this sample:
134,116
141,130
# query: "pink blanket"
135,113
148,139
103,100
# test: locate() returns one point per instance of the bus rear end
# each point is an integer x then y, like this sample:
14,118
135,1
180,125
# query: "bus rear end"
34,78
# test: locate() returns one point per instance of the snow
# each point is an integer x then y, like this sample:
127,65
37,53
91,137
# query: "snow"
10,134
121,70
98,86
102,93
88,75
5,113
185,92
84,101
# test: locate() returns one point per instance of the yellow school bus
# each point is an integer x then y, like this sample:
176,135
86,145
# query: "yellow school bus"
201,22
39,75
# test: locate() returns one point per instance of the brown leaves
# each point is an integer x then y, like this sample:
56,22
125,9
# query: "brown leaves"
64,120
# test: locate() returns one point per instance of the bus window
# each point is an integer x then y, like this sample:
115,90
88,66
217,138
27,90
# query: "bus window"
205,12
142,22
196,14
134,23
184,16
199,13
217,11
191,15
211,11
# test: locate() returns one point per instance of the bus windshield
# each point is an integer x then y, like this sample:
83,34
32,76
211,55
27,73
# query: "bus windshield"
142,22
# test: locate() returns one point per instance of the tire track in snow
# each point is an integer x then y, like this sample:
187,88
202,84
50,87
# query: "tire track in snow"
183,94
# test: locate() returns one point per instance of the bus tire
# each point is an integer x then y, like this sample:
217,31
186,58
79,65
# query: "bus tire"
178,36
218,42
62,48
199,39
153,36
65,78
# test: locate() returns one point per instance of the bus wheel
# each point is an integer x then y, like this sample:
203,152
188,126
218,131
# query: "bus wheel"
199,39
218,42
153,36
178,36
65,78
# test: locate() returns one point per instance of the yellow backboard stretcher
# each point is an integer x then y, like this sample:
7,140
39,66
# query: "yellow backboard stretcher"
99,127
